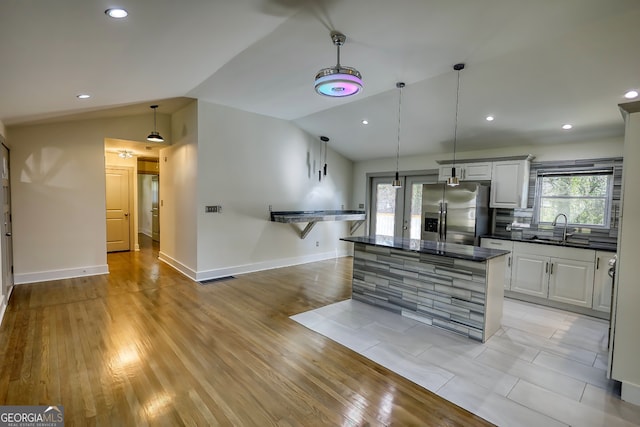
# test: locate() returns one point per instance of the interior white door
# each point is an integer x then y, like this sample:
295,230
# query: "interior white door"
118,209
7,239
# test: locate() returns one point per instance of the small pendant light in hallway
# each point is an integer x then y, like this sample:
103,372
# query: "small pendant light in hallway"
453,180
154,136
396,182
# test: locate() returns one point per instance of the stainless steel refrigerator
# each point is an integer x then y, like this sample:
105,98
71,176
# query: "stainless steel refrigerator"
455,214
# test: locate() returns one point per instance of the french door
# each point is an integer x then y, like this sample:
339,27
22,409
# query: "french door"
397,212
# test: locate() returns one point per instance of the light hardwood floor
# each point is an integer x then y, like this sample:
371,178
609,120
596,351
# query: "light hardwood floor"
144,345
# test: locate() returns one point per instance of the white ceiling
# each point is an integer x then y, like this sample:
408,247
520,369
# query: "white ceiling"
533,64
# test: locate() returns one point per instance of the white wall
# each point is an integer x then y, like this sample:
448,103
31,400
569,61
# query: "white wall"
145,203
247,162
178,189
626,342
583,150
58,186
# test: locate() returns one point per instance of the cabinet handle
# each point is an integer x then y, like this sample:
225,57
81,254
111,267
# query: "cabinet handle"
508,261
598,263
551,272
546,267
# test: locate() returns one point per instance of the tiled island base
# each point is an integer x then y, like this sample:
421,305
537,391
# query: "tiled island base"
456,294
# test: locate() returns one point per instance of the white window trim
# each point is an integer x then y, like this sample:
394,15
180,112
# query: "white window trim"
608,201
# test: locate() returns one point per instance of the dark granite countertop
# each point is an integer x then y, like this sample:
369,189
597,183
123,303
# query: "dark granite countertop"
450,250
580,244
321,215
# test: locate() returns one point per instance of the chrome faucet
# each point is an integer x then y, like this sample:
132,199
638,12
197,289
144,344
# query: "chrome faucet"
564,230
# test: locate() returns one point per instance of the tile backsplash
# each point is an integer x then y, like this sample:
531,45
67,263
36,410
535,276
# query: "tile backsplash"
506,222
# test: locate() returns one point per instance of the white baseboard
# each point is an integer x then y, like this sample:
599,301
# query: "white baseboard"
268,265
67,273
4,304
630,393
187,271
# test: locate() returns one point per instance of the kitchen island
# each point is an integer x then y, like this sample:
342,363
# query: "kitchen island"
451,286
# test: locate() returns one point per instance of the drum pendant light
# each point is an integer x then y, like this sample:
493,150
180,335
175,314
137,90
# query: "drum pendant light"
396,183
453,180
338,81
154,136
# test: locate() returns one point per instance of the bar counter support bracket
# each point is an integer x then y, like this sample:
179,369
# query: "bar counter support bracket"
307,229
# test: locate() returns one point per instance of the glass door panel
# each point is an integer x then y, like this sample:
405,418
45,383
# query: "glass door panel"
413,204
384,207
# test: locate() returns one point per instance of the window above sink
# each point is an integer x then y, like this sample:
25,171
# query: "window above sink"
584,196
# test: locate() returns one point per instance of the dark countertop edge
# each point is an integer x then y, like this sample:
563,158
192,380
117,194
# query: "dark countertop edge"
448,250
593,246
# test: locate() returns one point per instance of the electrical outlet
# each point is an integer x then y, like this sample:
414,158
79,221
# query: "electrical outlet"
361,206
317,244
270,208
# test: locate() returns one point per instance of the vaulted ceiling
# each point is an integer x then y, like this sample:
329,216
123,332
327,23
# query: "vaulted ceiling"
534,65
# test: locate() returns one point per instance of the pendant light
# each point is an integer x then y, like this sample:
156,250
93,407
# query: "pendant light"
325,140
396,182
154,136
338,81
453,180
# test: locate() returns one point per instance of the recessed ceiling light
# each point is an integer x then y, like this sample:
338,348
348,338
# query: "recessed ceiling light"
631,94
490,118
567,126
365,122
116,13
83,96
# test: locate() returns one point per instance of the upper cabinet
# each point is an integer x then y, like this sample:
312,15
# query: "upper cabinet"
509,184
509,178
477,171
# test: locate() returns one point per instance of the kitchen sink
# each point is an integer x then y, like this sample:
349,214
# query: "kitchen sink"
556,241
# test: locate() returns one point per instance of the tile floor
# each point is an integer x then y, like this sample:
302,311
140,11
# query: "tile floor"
545,367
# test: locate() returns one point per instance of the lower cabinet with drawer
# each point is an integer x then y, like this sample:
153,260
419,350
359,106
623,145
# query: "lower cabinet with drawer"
555,273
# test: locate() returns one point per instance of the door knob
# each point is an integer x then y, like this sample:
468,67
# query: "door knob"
126,214
7,234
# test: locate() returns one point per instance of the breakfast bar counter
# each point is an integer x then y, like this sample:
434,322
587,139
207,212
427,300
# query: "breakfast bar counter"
452,286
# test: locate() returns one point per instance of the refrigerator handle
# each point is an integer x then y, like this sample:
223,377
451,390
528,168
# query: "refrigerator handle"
443,223
439,221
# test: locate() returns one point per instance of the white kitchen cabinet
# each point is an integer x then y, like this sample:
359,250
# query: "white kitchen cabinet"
571,281
476,171
530,274
555,273
505,245
509,184
602,282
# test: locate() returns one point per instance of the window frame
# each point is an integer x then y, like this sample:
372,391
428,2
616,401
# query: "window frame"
542,173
